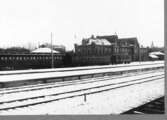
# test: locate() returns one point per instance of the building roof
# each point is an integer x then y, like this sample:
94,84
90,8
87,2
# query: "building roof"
98,42
110,38
157,53
131,40
153,56
44,50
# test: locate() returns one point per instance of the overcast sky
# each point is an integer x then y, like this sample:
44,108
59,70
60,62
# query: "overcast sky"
25,22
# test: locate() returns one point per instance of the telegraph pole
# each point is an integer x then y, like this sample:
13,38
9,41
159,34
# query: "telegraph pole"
52,64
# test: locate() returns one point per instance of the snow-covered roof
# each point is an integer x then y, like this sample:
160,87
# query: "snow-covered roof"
99,42
153,56
44,50
157,53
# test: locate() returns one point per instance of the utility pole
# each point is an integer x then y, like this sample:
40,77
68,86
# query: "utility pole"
52,64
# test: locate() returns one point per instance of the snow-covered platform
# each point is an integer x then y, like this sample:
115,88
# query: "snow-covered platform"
34,78
12,72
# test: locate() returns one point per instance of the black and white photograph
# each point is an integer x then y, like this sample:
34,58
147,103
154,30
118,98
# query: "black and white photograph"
82,57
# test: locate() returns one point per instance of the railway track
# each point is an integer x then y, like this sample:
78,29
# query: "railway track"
52,96
65,83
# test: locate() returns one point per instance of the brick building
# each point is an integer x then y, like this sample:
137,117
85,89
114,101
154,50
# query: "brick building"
144,54
106,50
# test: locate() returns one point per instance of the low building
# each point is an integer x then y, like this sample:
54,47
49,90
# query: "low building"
157,55
44,51
59,48
38,58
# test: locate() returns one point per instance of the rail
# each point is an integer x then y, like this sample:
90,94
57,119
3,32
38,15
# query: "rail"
67,83
81,92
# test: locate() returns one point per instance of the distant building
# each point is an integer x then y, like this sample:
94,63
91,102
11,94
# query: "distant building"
133,44
158,55
144,54
152,53
93,51
122,43
59,48
44,50
106,49
155,49
14,50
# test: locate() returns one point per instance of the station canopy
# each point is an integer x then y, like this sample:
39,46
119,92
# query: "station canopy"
44,50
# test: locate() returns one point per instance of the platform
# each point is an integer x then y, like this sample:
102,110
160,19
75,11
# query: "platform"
40,78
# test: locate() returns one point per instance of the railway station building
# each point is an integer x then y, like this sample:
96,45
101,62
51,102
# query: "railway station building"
106,50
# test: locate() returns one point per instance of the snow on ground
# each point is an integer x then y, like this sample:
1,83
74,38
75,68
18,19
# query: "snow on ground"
110,102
